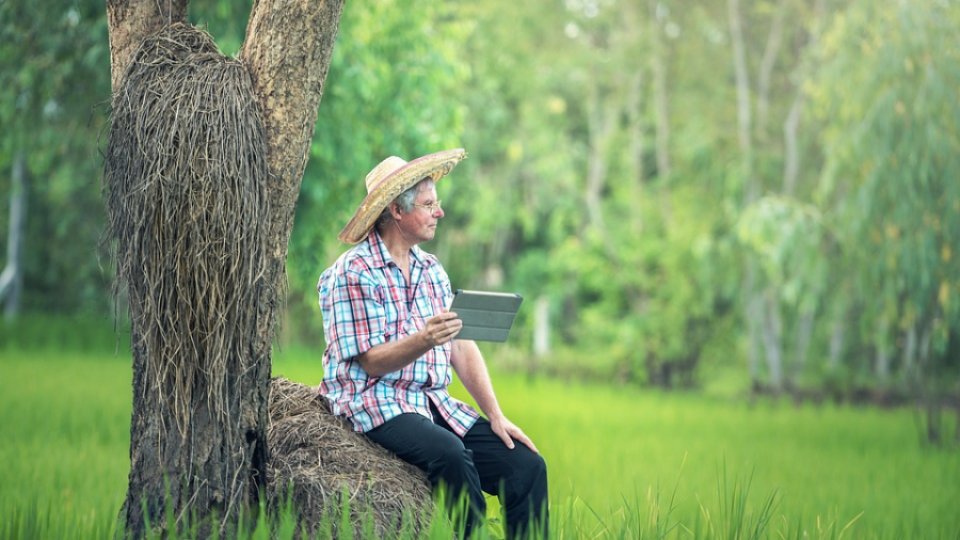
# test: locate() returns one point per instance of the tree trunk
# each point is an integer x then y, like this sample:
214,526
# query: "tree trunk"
214,463
908,360
658,70
600,122
791,158
881,363
934,426
541,328
635,119
11,279
837,338
661,107
773,338
791,126
956,430
801,345
930,386
130,21
767,63
744,116
753,299
753,303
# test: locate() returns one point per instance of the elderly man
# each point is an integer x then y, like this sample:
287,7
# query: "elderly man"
391,343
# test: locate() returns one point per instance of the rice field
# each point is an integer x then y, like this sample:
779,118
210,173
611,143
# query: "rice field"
623,462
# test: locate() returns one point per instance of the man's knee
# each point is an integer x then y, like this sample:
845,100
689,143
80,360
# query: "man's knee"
538,466
534,468
528,479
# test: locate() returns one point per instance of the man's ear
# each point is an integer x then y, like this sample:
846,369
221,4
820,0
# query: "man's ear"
395,211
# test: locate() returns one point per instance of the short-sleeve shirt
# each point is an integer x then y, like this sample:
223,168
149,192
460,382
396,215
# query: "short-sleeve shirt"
366,301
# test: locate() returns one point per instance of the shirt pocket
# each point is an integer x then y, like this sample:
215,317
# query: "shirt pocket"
442,295
413,324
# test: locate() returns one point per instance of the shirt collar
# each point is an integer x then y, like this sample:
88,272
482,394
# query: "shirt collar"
380,255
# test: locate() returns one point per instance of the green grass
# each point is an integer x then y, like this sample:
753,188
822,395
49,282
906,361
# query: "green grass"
623,462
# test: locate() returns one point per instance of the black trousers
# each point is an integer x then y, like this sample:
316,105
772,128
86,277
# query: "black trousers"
467,467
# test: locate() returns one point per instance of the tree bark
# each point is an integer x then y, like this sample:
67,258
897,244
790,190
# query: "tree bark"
212,468
11,279
130,21
288,49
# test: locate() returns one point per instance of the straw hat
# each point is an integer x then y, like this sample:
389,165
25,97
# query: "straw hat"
388,180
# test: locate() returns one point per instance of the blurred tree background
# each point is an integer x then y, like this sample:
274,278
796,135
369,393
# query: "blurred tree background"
765,192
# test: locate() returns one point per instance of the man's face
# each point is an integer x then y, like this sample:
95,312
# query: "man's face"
421,223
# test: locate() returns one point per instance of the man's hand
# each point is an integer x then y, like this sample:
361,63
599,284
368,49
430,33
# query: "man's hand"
441,328
507,431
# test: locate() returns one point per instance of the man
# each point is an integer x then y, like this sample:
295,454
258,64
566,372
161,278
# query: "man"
391,343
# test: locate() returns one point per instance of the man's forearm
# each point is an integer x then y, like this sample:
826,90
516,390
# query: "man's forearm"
472,371
470,367
393,355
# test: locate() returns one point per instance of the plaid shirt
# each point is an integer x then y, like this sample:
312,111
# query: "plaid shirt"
365,301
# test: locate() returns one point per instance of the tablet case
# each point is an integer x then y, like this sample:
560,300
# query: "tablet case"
486,316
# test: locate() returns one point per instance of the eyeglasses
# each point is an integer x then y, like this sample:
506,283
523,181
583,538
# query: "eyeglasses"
432,208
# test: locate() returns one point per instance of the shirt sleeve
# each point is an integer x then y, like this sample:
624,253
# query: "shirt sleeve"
358,315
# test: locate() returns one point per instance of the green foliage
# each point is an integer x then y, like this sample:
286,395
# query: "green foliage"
786,237
886,94
630,266
54,68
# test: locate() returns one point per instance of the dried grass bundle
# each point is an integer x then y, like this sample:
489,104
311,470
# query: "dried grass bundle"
185,181
319,457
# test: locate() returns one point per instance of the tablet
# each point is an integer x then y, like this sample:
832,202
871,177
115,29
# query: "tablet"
486,316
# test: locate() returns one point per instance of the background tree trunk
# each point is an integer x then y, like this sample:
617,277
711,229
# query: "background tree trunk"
11,279
213,468
752,296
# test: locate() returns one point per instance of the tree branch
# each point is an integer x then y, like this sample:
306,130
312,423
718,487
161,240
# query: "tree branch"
288,59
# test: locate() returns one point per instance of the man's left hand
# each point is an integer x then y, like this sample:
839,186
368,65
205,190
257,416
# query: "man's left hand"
508,431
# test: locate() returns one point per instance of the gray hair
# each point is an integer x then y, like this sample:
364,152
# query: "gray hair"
405,201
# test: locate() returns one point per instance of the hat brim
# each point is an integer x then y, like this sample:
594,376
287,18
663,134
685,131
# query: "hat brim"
434,166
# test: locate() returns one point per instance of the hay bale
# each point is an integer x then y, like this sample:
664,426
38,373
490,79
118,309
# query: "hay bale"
319,458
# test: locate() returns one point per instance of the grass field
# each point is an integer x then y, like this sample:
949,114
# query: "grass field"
623,462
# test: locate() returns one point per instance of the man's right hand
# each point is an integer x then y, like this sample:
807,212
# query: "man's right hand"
441,328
